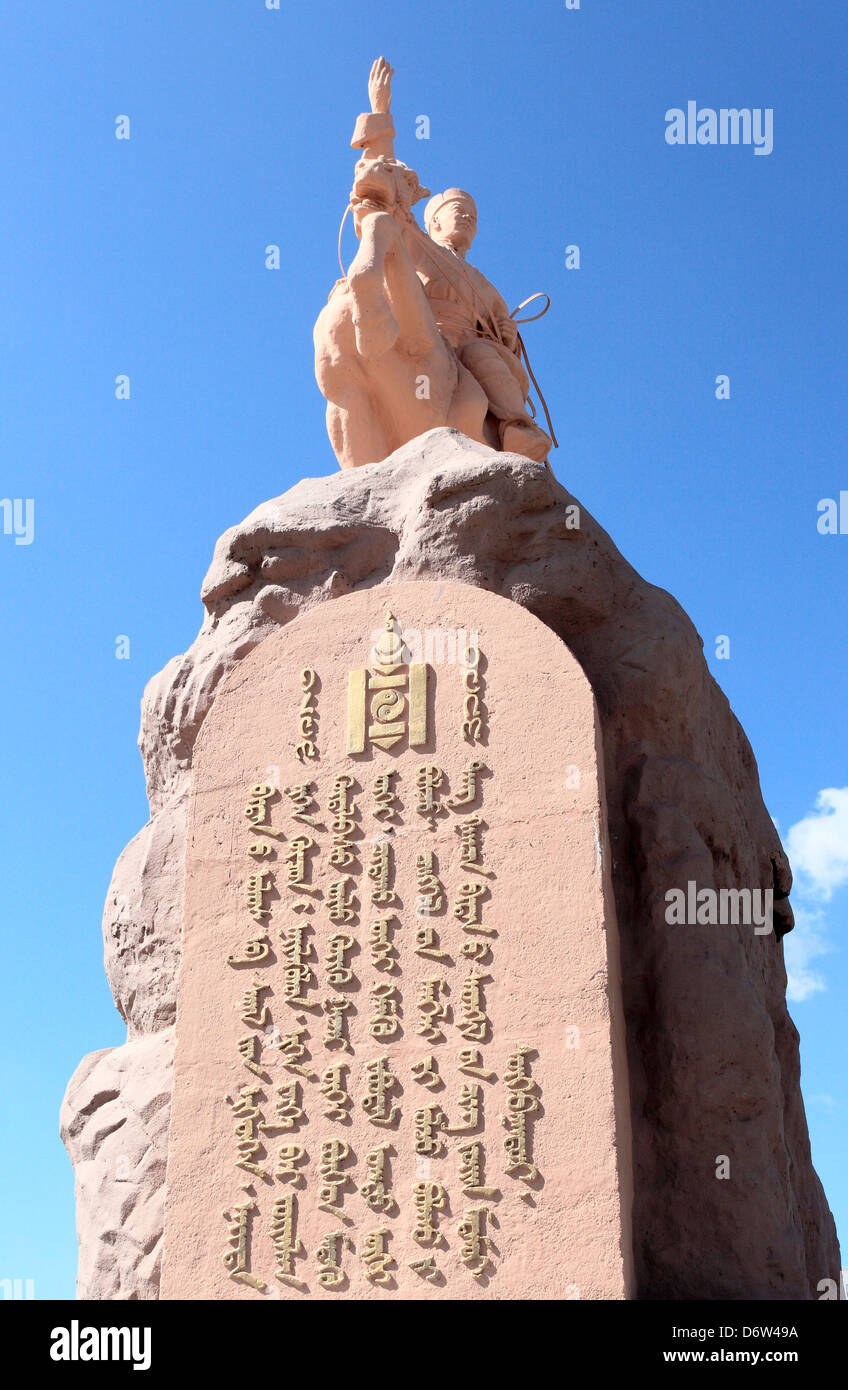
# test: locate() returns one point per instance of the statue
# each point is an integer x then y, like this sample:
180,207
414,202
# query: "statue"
413,336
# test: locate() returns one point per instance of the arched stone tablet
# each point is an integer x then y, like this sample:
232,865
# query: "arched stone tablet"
400,1067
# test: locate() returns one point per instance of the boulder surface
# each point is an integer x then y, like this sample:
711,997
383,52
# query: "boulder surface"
713,1054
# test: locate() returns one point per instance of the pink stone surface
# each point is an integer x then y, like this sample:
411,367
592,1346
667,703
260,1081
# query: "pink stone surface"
550,975
114,1121
414,336
713,1053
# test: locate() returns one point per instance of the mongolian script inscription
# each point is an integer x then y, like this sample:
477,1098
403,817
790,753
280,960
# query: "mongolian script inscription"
381,1071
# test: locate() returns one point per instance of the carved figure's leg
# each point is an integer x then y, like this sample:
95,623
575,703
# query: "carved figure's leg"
527,438
355,434
375,326
506,399
419,332
519,433
469,408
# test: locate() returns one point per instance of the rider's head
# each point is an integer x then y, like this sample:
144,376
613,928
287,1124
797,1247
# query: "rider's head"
451,218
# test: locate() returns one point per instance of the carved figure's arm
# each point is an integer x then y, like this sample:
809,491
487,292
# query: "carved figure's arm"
374,132
509,333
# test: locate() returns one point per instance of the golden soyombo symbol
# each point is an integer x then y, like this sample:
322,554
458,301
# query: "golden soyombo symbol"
385,704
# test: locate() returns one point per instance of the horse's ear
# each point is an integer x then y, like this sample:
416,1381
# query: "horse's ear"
414,189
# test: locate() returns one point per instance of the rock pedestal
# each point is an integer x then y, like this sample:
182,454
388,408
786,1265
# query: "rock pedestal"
712,1055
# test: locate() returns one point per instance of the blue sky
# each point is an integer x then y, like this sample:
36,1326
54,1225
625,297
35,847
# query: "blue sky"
146,257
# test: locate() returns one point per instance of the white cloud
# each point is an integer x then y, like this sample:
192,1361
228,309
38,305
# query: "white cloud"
818,845
827,1101
800,948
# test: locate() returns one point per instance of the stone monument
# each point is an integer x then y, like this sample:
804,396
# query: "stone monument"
413,336
405,1090
406,1017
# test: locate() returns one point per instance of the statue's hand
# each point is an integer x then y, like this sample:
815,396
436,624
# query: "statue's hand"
509,333
380,85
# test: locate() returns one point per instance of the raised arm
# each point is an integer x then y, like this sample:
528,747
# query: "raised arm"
380,86
374,133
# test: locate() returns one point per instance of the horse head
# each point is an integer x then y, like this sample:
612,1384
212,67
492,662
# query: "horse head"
385,185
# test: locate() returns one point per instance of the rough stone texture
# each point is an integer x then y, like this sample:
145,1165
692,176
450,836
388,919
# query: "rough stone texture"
712,1052
142,922
114,1124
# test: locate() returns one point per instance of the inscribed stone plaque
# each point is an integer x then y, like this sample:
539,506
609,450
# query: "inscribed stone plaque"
400,1062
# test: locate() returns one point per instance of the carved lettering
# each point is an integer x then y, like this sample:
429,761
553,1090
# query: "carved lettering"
236,1258
307,716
